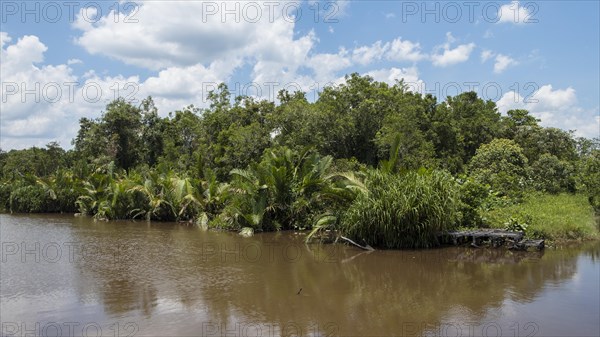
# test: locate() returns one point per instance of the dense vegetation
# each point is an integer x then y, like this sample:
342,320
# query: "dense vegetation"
378,163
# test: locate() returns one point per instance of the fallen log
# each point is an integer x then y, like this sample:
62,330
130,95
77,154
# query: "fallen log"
367,247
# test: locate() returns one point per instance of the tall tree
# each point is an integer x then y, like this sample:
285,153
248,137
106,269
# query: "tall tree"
123,124
153,128
463,123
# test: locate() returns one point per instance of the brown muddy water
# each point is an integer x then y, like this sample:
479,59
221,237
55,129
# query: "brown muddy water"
69,276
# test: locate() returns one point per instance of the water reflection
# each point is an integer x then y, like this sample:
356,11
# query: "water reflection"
175,280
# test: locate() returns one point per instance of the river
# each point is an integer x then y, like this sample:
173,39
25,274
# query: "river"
70,276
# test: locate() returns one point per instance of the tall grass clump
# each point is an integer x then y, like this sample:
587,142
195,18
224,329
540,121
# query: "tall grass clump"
558,217
402,210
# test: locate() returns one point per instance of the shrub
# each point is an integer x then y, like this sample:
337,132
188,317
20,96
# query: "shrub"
590,179
5,189
473,195
402,211
31,199
552,175
502,165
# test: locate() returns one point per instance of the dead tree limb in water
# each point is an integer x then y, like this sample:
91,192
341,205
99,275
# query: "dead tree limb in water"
367,247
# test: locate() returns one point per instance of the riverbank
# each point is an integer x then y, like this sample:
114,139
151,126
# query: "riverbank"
559,218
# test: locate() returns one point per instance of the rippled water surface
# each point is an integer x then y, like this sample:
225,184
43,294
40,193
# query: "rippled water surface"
65,275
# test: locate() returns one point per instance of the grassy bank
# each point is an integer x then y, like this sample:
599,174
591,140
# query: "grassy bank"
554,217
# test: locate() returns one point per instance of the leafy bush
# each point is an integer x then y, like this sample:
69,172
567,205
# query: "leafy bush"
502,165
402,211
589,178
5,190
516,224
31,199
283,191
552,175
473,195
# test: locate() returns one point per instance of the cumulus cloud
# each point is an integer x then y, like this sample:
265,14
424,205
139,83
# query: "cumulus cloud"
368,54
391,75
503,62
397,50
194,32
21,56
168,39
515,13
486,55
325,65
556,108
404,50
409,75
444,55
44,103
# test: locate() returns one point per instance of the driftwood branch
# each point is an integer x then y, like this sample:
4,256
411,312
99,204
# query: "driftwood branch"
367,247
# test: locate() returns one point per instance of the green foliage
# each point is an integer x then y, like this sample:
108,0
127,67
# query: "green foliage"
283,191
536,141
31,194
473,196
113,137
515,224
35,161
405,211
502,165
552,175
462,124
244,162
153,133
589,178
31,199
349,117
406,132
556,217
6,189
105,194
515,120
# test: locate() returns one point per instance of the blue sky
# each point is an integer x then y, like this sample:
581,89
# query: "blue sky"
61,61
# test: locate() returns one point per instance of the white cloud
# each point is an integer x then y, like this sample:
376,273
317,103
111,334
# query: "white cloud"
34,98
21,56
56,98
514,13
189,34
503,62
74,61
452,56
544,98
328,10
555,99
367,54
4,38
342,5
486,55
450,38
325,66
555,108
404,51
35,120
175,40
389,76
